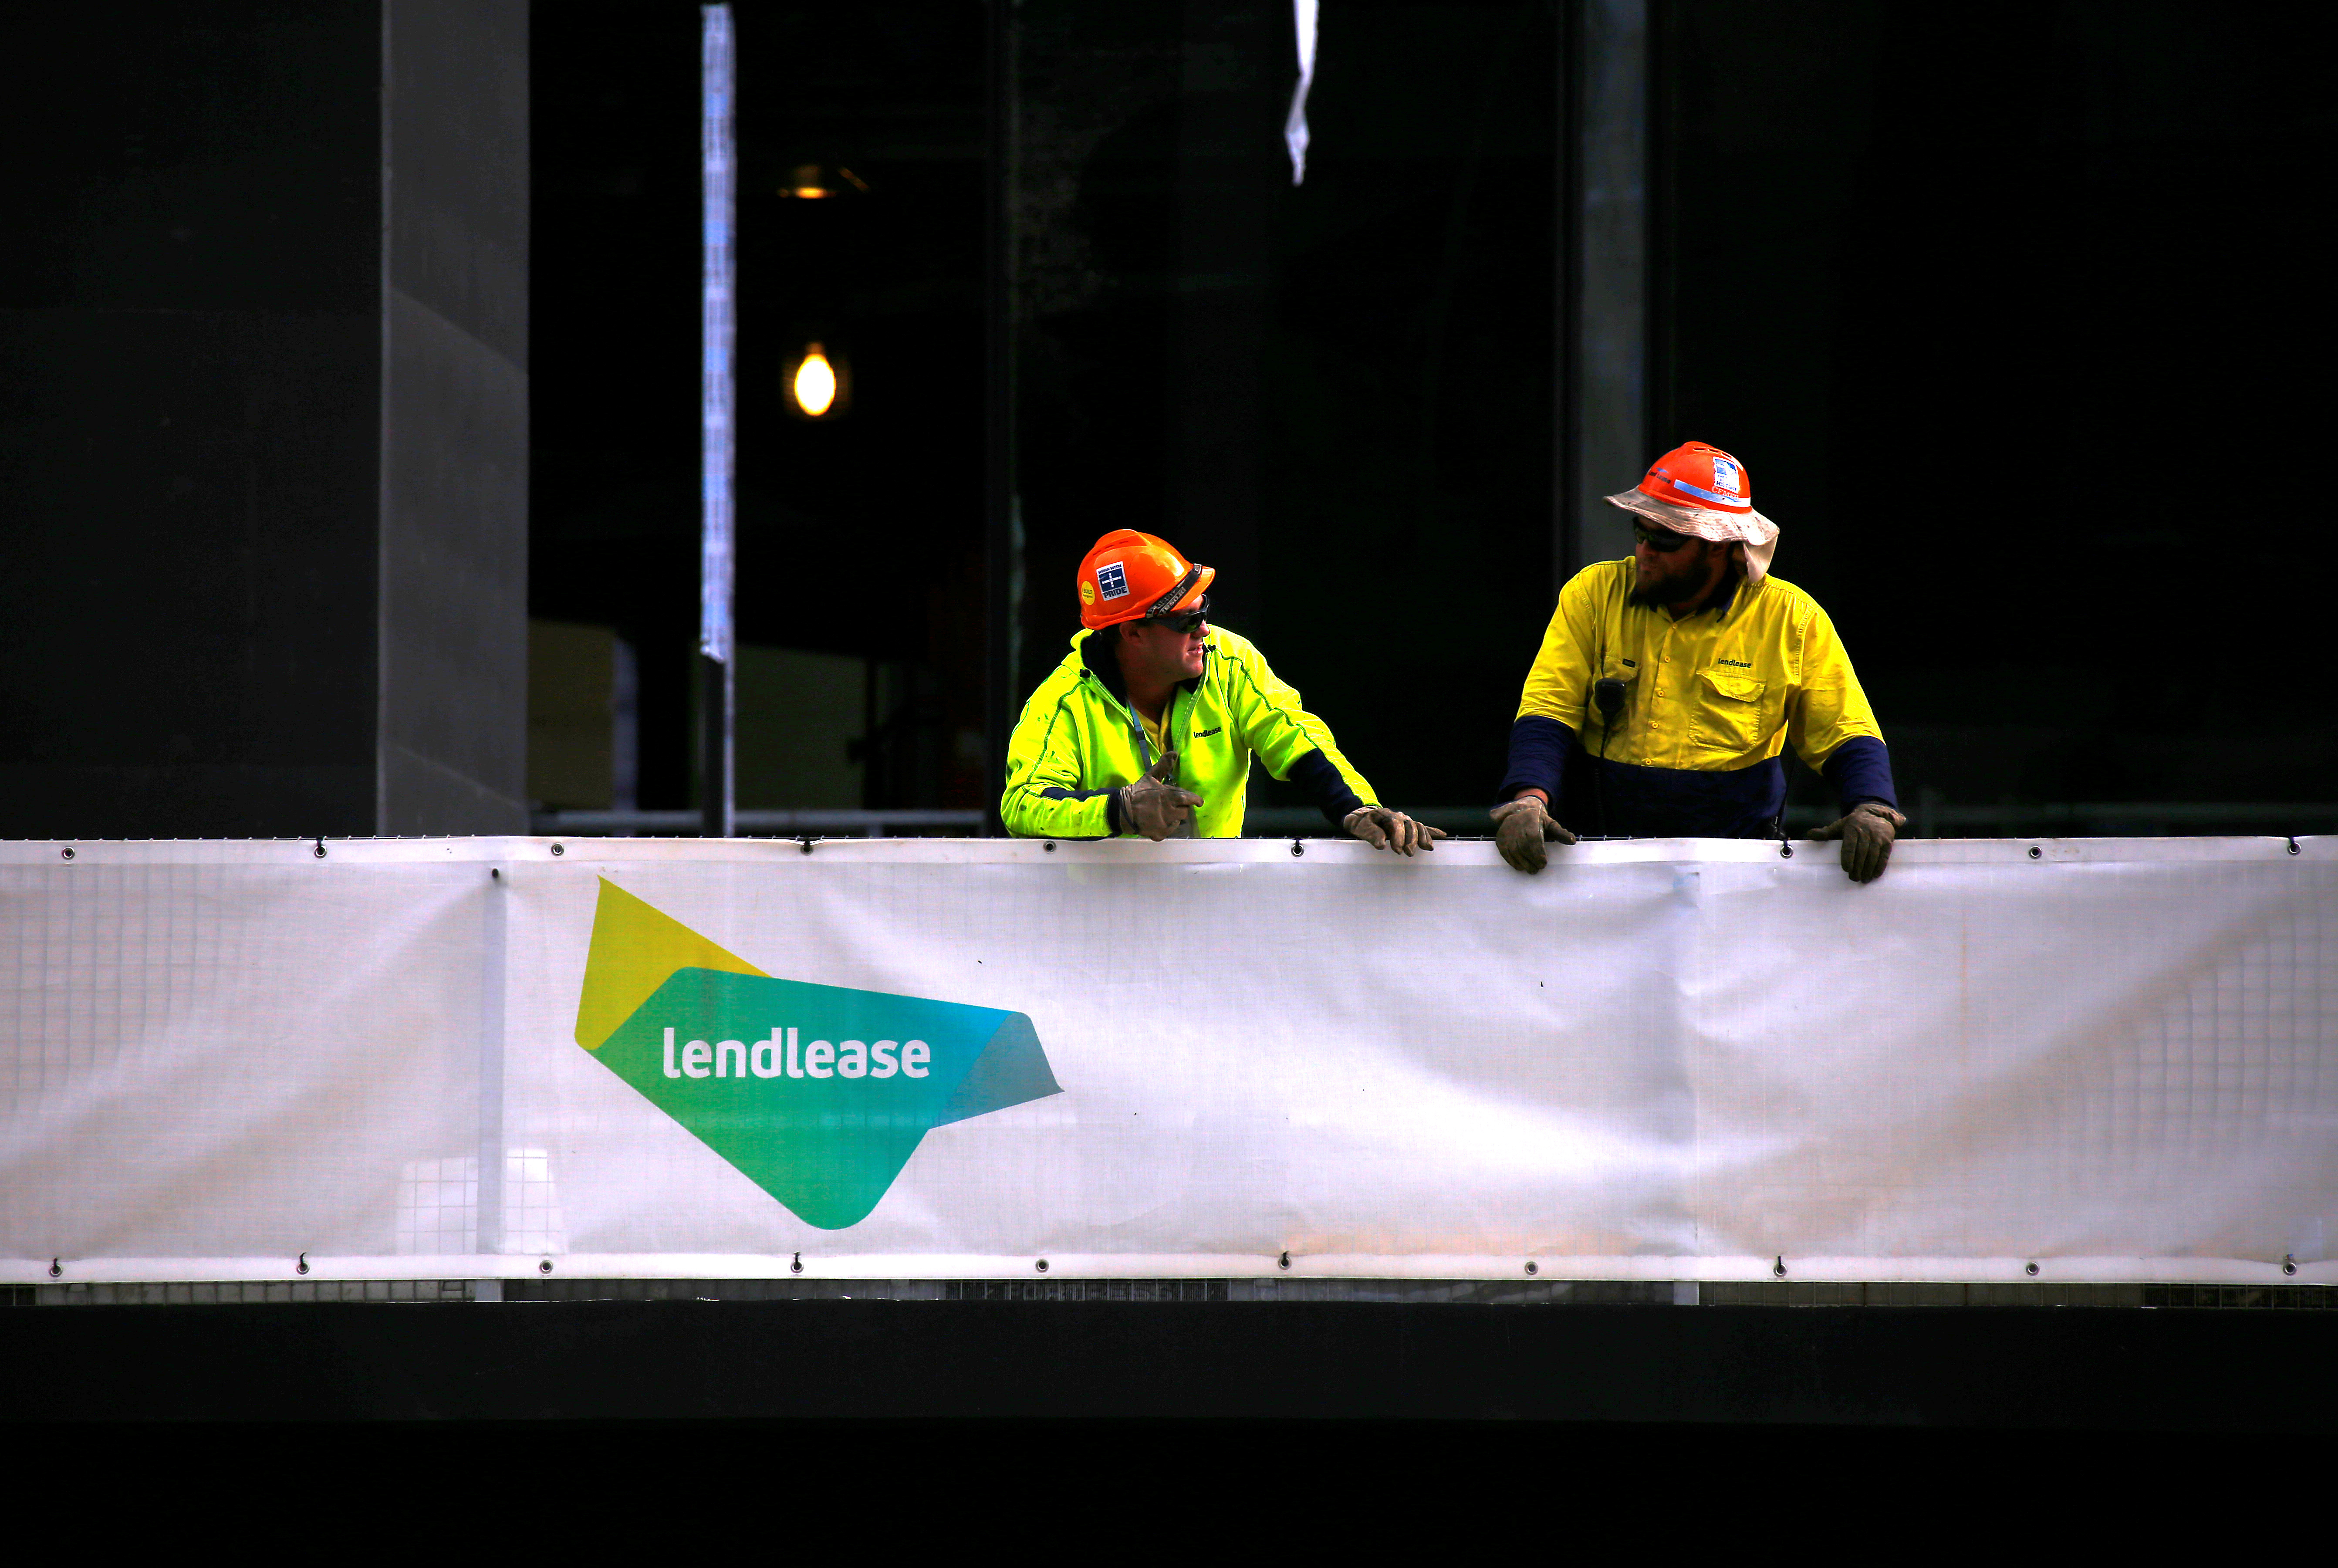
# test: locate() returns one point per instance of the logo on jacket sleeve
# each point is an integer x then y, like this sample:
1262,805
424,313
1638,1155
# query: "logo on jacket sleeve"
819,1094
1112,582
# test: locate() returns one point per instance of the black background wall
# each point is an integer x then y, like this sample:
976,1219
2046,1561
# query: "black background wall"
2000,306
2009,310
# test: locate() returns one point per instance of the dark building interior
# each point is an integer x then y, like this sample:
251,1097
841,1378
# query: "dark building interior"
1998,306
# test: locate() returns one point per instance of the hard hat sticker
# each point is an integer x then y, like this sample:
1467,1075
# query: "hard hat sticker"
1087,592
1724,475
1112,582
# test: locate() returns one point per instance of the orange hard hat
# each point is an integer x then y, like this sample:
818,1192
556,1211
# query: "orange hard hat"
1128,575
1702,491
1700,477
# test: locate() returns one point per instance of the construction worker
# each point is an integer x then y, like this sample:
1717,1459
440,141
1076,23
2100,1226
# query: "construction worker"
1148,725
1668,685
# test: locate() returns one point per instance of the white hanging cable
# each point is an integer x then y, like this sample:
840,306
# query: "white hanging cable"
715,554
1294,129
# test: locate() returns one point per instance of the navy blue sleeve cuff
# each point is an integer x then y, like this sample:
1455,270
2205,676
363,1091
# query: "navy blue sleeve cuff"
1110,803
1538,748
1314,773
1860,770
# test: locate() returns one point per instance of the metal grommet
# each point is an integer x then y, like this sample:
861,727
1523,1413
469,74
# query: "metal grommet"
1785,851
67,851
495,873
1779,1268
560,850
545,1266
1532,1267
1051,845
302,1266
1043,1265
1297,847
2289,1262
2035,853
2030,1270
796,1266
319,850
56,1268
2292,848
1283,1262
807,845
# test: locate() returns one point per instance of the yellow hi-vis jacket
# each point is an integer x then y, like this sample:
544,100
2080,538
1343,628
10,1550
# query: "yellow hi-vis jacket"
1080,739
1710,703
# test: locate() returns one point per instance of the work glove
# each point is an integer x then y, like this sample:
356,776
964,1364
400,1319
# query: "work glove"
1522,826
1385,830
1866,831
1154,805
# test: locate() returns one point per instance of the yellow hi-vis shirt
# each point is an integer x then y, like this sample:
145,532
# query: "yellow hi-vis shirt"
1719,692
1079,740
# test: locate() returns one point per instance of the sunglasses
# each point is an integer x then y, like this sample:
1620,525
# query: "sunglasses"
1184,621
1663,541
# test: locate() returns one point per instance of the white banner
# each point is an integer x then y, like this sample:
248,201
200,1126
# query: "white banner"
2060,1060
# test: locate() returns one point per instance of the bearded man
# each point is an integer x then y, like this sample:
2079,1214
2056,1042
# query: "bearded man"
1669,685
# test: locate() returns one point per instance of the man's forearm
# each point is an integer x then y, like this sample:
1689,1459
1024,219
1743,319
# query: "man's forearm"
1860,769
1538,748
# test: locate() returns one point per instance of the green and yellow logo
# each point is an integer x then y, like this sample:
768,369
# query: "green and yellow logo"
819,1094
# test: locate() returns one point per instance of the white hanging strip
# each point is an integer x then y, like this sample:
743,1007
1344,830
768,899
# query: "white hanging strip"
1294,129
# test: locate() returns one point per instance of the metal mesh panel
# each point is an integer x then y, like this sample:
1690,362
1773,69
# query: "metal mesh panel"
1480,1292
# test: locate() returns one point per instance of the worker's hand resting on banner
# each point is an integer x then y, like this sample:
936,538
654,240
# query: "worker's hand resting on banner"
1866,832
1385,830
1154,805
1521,828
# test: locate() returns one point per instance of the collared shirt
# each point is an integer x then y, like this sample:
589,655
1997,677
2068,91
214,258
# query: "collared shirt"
1719,693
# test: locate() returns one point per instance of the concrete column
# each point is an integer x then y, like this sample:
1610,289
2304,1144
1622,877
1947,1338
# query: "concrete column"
263,439
1602,439
451,742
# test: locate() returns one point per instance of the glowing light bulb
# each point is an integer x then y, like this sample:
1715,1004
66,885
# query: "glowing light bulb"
815,382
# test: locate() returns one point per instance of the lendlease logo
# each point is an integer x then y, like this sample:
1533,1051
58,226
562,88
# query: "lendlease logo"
819,1094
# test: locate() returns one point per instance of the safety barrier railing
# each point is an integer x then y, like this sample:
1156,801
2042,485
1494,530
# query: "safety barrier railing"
2066,1062
1928,817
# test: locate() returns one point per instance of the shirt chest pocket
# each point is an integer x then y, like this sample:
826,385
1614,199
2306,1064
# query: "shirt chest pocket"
1732,709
